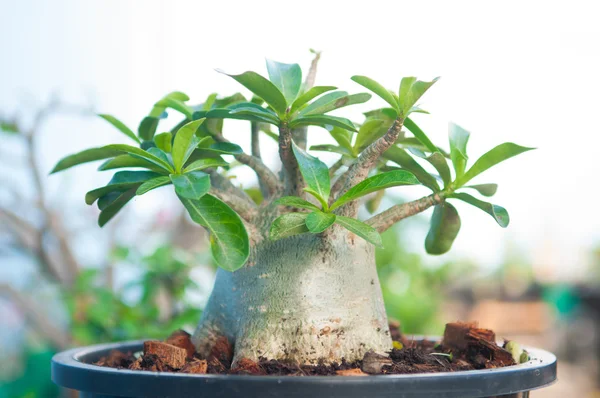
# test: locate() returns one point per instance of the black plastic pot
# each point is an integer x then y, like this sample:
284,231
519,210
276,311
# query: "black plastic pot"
73,369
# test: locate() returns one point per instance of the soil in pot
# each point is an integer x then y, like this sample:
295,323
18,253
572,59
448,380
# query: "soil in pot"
464,346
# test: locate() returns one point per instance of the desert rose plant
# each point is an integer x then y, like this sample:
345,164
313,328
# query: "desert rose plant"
297,277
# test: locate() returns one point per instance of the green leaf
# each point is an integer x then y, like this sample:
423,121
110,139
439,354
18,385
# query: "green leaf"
445,224
314,171
242,111
368,133
147,128
263,89
411,90
152,184
121,181
185,142
288,225
229,241
342,137
163,141
209,102
192,185
399,156
120,126
317,221
111,209
286,77
202,164
488,190
386,114
438,161
323,121
490,159
421,136
361,229
128,161
227,148
253,114
499,213
458,148
332,101
378,89
178,105
294,201
380,181
308,96
332,149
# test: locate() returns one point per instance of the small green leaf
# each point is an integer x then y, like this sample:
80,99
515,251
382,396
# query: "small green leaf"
242,111
438,161
209,102
121,181
332,101
342,137
490,159
229,241
411,90
202,164
445,224
192,185
378,89
499,213
185,142
128,161
370,131
288,225
294,201
262,88
361,229
314,171
178,105
120,126
488,190
421,136
147,128
332,149
308,96
380,181
227,148
253,114
323,121
399,156
317,221
163,141
458,148
286,77
153,184
111,209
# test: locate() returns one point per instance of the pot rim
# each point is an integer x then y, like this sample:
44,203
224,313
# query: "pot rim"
72,369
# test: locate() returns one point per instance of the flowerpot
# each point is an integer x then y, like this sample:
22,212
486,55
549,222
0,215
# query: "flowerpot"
73,369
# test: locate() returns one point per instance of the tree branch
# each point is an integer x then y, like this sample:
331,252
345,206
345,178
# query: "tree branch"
255,139
31,311
384,220
265,175
293,182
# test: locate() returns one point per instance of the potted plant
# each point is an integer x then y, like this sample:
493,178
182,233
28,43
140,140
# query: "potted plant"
297,280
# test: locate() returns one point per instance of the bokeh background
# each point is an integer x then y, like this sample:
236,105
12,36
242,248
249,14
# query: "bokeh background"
526,72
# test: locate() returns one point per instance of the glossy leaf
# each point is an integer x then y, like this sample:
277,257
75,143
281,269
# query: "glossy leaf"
490,159
185,142
458,148
332,149
288,225
294,201
361,229
147,128
111,209
438,161
128,161
202,164
286,77
342,137
403,159
377,182
445,225
192,185
121,181
370,131
323,121
120,126
255,115
421,136
488,190
308,96
226,148
163,141
317,221
314,171
498,213
411,91
262,88
229,241
322,101
152,184
378,89
335,102
178,105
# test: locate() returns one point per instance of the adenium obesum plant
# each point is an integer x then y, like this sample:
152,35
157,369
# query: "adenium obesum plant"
297,277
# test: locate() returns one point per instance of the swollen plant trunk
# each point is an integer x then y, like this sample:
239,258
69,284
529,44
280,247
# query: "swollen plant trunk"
306,298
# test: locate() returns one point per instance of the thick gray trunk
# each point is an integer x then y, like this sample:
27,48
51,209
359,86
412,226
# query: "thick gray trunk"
305,298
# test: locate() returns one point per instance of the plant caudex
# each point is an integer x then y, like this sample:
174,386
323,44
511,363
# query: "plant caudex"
374,155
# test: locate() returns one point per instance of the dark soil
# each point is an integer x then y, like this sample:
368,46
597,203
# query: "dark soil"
464,347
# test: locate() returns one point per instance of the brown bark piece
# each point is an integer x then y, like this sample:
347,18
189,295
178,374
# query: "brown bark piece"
222,351
455,334
248,366
116,359
168,354
195,367
182,339
373,362
137,365
351,372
